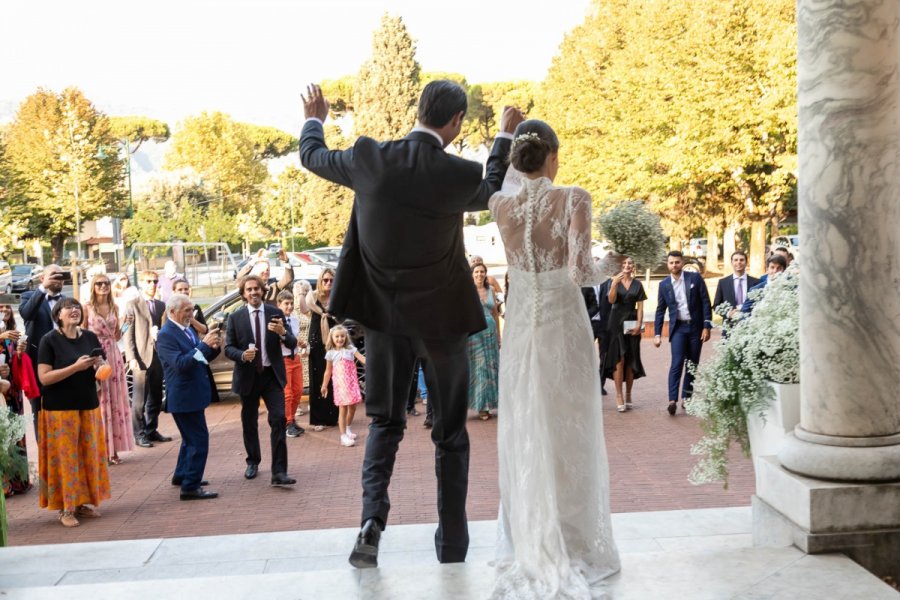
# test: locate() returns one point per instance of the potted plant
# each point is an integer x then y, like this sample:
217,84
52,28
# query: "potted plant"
749,391
632,230
12,461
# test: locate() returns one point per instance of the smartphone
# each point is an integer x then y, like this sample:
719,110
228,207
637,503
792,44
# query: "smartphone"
97,352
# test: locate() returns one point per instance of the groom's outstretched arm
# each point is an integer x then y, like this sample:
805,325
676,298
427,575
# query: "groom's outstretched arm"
333,165
497,162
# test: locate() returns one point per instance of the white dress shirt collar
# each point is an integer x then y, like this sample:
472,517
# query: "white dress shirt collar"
421,129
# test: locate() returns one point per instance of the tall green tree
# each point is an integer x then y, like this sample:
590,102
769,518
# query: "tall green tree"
270,142
55,144
326,206
281,207
387,86
222,152
137,130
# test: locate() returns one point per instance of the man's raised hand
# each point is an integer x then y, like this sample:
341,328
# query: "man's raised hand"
510,119
314,103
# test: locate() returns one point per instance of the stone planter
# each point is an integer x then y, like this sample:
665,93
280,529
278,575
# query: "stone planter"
780,419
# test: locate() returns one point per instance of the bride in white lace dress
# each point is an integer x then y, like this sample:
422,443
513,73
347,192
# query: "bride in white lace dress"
555,539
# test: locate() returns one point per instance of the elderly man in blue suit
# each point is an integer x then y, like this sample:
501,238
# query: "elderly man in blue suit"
184,357
685,296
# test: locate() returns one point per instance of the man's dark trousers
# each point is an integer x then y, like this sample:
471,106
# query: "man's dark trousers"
686,346
194,448
265,385
390,368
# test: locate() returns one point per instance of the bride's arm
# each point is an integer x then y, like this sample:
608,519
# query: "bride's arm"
582,269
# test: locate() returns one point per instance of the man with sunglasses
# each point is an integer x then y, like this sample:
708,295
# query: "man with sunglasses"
140,351
34,308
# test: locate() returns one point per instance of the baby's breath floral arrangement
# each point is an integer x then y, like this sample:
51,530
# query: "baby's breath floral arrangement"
759,348
634,230
12,462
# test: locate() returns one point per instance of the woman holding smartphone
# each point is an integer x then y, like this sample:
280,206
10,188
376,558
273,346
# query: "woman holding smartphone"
623,356
72,445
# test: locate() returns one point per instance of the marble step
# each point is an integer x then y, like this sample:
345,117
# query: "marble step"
715,574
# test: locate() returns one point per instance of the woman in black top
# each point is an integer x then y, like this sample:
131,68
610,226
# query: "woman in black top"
623,355
72,456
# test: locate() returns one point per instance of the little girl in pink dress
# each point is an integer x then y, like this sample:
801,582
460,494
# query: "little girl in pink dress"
341,366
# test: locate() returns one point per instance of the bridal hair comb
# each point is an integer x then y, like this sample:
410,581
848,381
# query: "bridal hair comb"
524,137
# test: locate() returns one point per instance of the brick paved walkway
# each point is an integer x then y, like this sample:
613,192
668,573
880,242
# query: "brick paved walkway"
648,451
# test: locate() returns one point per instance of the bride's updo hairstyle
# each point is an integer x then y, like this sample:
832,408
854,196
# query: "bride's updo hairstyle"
533,141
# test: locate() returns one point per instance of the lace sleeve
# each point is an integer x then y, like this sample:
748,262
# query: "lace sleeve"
582,269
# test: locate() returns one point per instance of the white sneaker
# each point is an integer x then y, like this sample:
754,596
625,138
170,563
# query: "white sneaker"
347,441
350,434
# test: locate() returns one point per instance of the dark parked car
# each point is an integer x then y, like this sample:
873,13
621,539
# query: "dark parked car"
24,278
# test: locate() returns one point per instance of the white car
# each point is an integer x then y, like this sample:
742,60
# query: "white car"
791,242
600,249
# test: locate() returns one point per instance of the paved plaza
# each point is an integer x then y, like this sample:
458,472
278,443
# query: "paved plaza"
649,454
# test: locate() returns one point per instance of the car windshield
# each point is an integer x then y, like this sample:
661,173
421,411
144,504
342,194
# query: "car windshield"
795,240
21,270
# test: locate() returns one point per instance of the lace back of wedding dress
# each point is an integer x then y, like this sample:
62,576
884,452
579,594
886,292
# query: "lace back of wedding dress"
554,532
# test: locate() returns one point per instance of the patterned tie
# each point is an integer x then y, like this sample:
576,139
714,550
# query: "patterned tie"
190,333
739,294
258,359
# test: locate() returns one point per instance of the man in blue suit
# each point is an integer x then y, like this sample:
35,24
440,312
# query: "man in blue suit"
34,308
184,358
685,296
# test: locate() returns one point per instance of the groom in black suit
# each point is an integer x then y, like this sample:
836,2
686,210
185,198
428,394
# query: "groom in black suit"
403,274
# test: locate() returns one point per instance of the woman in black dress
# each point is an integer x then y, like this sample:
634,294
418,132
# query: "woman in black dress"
322,410
623,356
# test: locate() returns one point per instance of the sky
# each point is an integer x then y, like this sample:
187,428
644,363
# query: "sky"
169,59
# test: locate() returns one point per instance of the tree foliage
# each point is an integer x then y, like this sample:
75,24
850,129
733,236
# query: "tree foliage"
340,93
387,86
54,144
688,104
326,206
270,142
281,207
138,129
222,152
486,102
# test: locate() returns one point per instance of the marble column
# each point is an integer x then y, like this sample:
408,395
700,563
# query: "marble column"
833,486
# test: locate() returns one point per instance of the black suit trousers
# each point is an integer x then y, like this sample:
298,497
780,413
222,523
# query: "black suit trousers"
390,368
265,385
146,400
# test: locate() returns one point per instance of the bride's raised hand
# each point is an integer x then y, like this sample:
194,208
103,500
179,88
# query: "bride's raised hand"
510,119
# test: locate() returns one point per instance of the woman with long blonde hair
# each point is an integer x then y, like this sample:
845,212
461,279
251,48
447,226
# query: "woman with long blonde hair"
102,318
322,411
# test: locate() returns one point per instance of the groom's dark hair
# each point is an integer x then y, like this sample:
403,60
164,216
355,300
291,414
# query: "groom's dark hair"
440,101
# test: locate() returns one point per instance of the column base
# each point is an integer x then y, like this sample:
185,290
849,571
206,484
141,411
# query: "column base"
859,520
839,462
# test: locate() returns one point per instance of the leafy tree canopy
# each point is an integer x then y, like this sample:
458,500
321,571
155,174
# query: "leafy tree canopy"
137,130
270,142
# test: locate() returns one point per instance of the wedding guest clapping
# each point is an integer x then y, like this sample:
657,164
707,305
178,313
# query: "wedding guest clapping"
626,316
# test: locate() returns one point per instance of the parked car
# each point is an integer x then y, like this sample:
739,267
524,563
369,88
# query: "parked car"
24,278
5,275
697,247
329,254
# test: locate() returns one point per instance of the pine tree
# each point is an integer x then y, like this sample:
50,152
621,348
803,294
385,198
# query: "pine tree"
387,86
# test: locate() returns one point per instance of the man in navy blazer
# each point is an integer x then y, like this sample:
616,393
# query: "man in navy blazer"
184,358
685,296
253,339
34,308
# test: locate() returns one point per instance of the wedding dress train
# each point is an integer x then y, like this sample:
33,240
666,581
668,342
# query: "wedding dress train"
555,538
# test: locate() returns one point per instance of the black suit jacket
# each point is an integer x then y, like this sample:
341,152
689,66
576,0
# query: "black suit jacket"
403,268
35,312
239,335
725,290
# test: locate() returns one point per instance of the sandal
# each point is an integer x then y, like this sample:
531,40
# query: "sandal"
628,404
115,460
620,404
86,510
68,519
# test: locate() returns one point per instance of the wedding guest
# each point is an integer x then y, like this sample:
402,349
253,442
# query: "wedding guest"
293,368
623,353
198,324
120,283
102,319
733,288
260,267
495,285
322,410
71,444
35,307
775,265
341,357
18,373
167,280
484,351
302,313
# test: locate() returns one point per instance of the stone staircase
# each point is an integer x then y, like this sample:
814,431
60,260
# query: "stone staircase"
692,554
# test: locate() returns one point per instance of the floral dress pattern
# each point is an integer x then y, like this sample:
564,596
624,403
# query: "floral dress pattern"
344,377
113,393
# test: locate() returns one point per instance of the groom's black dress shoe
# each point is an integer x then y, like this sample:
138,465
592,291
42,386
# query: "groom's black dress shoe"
282,479
198,494
673,406
251,471
365,551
